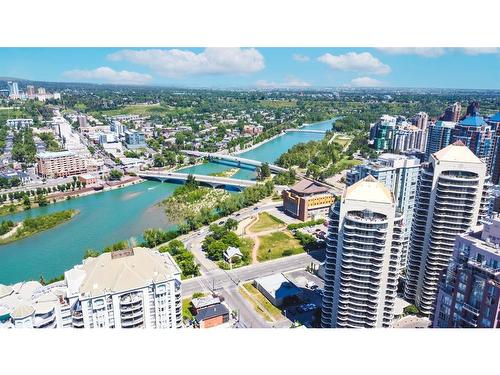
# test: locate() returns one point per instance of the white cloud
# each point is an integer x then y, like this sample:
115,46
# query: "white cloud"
358,62
290,82
420,51
178,63
366,82
479,50
438,51
300,58
108,75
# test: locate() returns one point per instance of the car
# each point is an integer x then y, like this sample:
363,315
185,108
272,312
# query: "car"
221,222
255,208
311,285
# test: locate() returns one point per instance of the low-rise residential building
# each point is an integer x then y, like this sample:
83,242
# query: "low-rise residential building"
306,200
87,178
10,174
253,129
469,292
19,123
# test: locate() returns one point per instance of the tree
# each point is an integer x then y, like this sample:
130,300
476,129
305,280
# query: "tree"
42,200
90,253
26,201
263,171
159,161
231,224
191,181
216,250
115,175
411,310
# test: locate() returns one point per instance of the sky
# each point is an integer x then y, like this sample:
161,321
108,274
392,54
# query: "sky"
469,68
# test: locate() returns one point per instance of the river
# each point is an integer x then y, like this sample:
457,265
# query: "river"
112,216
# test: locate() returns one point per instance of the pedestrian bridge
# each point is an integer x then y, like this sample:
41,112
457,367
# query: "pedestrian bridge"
236,159
212,181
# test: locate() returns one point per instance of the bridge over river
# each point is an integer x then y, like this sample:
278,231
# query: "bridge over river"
236,159
212,181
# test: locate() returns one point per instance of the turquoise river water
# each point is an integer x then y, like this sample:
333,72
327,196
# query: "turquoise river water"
115,215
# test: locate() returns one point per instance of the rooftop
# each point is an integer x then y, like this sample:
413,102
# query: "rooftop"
54,154
495,117
369,189
211,312
473,121
308,187
457,152
128,270
278,285
202,302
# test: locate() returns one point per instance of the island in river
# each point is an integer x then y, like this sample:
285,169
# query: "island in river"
33,225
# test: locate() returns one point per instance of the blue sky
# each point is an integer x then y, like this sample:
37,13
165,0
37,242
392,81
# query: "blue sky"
259,67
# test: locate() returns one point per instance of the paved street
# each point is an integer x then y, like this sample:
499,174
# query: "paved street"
226,283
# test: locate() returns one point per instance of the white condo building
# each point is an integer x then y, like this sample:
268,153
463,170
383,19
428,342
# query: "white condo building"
364,245
123,289
453,195
400,174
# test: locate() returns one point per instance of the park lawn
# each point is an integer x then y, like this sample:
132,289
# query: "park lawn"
272,310
266,222
246,244
272,246
346,164
342,140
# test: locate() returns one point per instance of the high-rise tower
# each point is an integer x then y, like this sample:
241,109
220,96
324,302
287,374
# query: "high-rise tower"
453,195
365,240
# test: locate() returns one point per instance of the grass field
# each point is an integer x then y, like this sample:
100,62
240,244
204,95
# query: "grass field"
342,141
277,245
144,110
246,244
186,304
266,222
270,312
346,164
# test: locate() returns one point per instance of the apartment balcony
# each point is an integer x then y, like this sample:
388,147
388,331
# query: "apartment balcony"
130,299
135,323
131,315
45,321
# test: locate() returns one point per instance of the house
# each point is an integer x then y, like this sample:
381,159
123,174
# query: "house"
212,316
232,254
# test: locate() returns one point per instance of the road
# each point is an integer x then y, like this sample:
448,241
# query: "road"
193,241
227,282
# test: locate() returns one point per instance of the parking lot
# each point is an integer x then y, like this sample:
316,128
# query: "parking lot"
307,311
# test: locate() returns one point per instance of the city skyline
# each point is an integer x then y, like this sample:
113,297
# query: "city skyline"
259,68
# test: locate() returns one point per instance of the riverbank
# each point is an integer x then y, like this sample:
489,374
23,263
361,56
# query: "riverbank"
31,226
252,147
12,208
